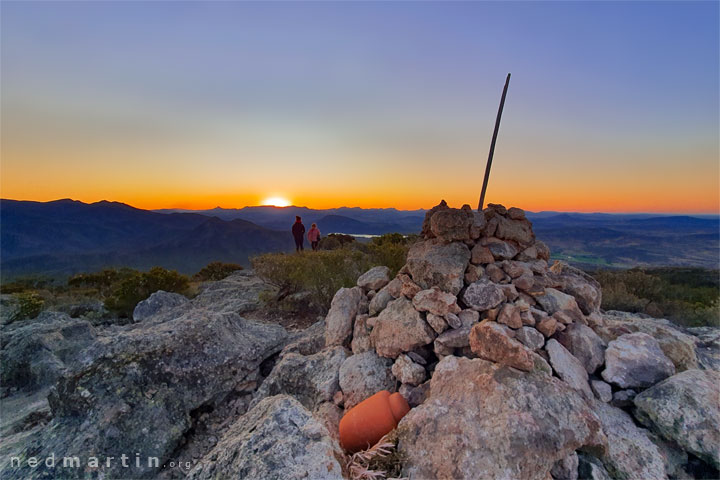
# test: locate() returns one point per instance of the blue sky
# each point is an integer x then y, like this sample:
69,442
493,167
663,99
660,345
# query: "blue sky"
371,103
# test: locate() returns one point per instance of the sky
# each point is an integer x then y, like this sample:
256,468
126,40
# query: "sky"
612,106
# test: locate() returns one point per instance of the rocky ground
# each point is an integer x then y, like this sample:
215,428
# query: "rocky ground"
511,368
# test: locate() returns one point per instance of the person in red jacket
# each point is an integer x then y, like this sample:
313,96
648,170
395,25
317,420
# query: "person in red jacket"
298,231
314,236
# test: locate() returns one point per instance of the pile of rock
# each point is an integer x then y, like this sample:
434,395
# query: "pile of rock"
477,285
513,338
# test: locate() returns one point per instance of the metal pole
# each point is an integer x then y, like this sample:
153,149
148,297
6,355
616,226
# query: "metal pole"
492,144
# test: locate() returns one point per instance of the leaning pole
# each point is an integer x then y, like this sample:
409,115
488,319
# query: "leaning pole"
492,144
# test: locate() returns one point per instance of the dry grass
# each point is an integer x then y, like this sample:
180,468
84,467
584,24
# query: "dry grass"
382,461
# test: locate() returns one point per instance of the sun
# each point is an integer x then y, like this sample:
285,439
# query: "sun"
276,202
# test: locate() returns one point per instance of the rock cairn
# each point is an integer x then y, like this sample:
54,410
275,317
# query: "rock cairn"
476,285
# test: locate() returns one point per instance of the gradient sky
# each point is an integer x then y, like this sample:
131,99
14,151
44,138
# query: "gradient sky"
612,106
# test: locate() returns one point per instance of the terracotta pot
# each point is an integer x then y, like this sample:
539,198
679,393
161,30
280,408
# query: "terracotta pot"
367,422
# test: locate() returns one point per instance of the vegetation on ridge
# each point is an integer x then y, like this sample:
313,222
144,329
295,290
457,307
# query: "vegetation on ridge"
687,296
308,281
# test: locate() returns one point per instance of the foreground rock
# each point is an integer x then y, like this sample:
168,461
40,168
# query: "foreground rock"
631,454
400,328
311,379
635,360
159,301
138,390
492,341
685,408
432,263
239,293
676,345
364,375
34,355
486,419
339,320
277,439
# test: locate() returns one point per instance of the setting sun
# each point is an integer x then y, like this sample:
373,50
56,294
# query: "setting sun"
276,202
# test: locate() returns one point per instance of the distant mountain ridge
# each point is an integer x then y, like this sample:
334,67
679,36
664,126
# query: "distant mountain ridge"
67,236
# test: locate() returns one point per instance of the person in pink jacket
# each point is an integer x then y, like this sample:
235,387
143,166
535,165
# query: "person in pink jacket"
314,236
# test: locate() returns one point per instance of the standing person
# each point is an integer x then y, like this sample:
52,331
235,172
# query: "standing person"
298,231
314,236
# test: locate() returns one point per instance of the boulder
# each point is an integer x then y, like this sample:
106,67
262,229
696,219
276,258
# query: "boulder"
452,224
311,379
492,341
602,390
530,337
374,279
566,468
339,320
426,230
407,371
547,326
568,368
157,302
309,341
400,328
499,249
554,301
455,338
435,301
415,395
495,273
364,375
361,335
510,315
277,439
34,355
149,378
435,264
635,360
685,408
490,420
585,289
481,255
239,293
519,231
515,213
630,455
623,398
584,344
380,301
483,295
437,323
676,345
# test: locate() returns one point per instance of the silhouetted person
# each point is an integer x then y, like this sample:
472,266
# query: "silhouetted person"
314,236
298,231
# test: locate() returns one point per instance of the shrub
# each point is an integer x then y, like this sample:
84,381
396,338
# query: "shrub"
140,285
103,282
30,305
688,296
319,273
335,241
216,271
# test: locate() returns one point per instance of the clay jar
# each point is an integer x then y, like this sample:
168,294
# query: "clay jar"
367,422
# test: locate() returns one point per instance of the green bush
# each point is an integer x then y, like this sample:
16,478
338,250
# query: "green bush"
216,271
688,296
320,274
138,286
102,282
30,305
335,241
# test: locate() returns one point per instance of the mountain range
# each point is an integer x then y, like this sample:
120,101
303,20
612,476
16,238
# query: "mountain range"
67,236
